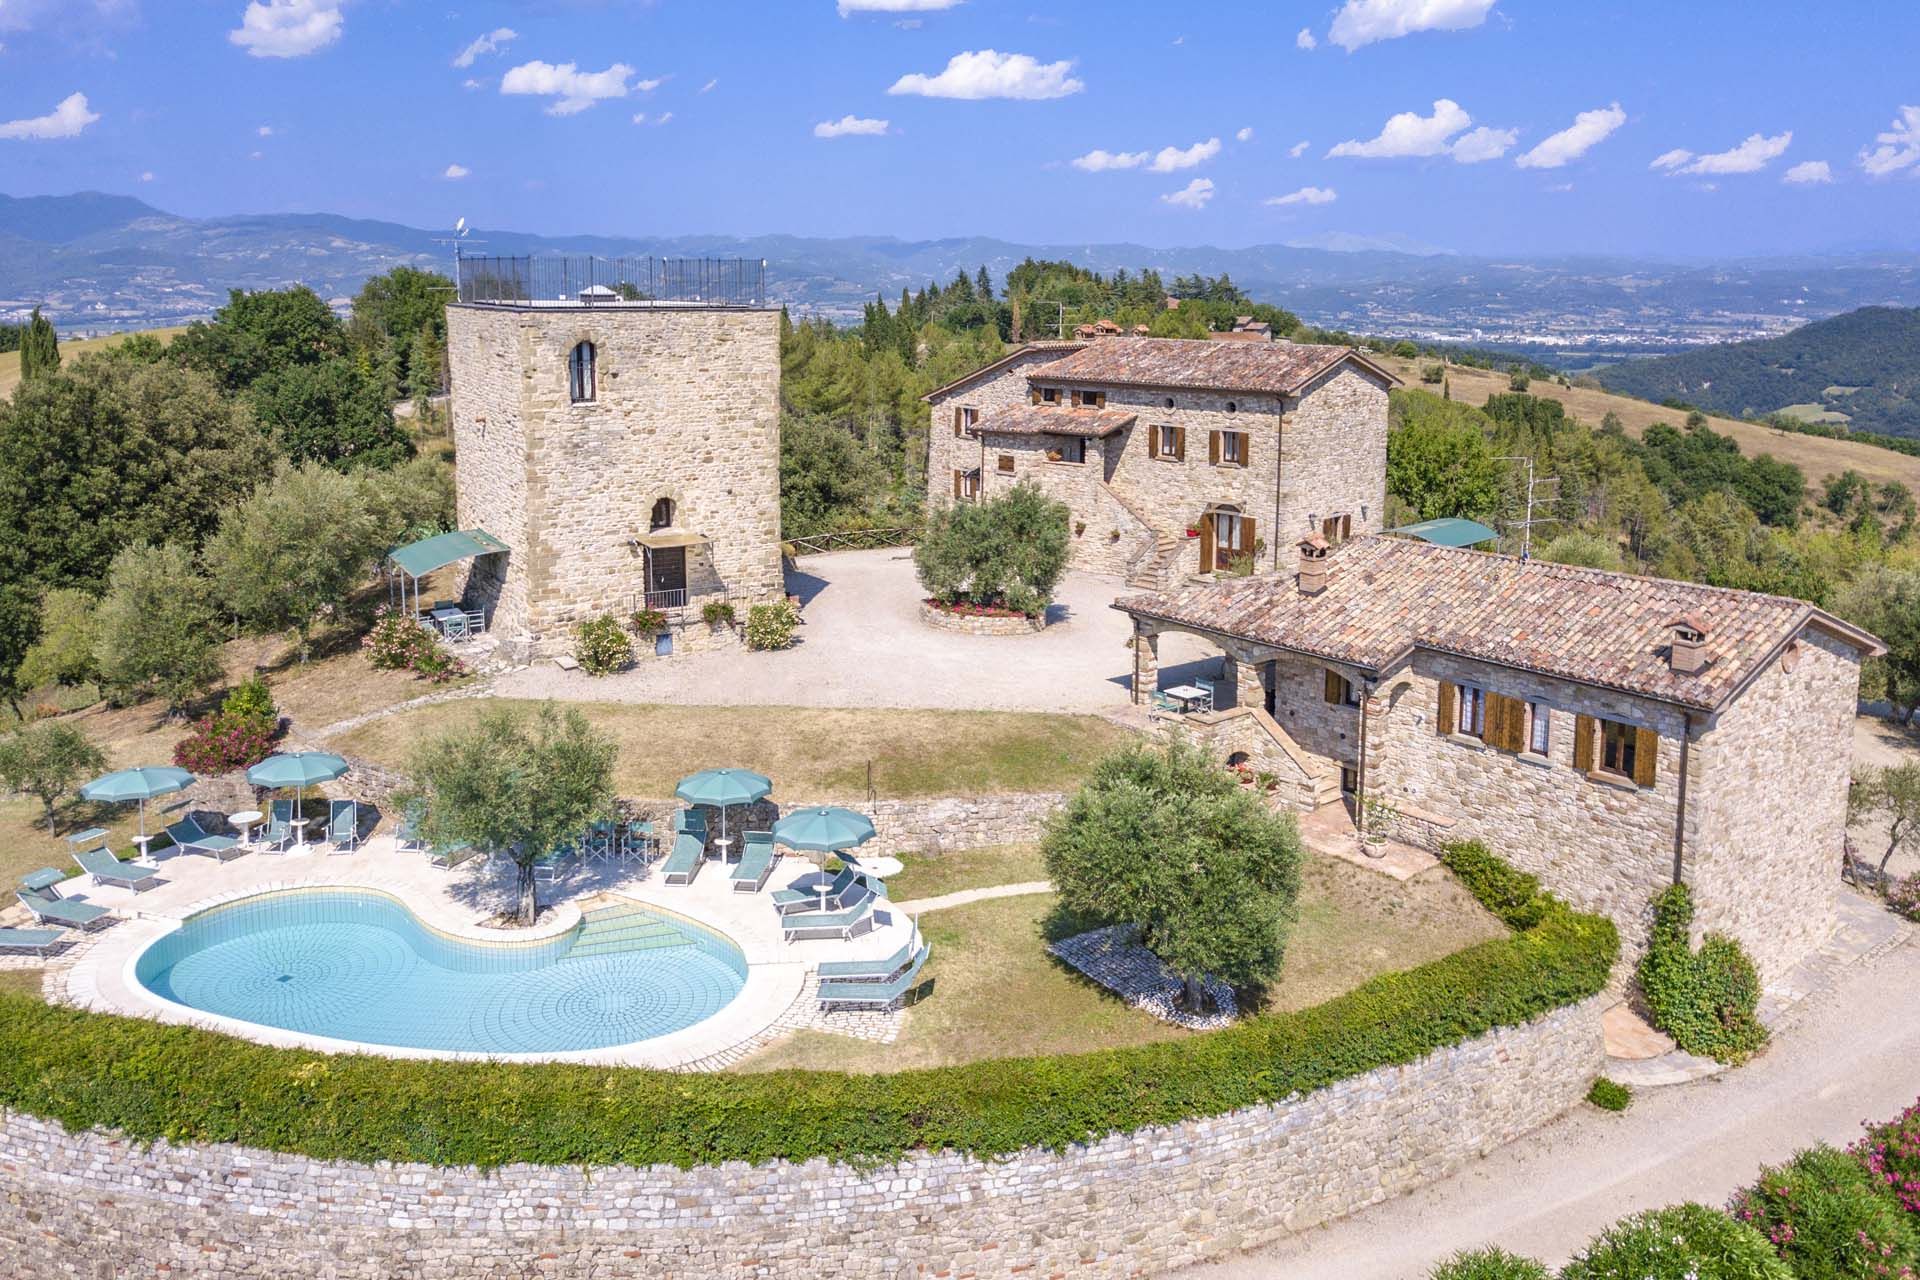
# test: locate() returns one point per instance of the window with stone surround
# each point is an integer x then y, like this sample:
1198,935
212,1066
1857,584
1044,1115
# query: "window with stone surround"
1341,691
1613,749
966,485
1619,747
1167,443
1070,449
580,379
1228,449
1539,728
964,417
1089,399
1004,464
1046,395
1469,711
1336,529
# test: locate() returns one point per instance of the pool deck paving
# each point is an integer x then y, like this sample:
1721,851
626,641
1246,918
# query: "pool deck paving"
97,972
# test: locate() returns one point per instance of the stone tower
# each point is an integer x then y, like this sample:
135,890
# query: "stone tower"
627,453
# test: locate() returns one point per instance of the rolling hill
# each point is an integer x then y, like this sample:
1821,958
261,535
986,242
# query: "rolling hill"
1861,369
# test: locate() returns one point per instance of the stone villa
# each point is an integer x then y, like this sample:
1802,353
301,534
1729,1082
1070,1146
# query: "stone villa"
1175,456
1611,733
627,455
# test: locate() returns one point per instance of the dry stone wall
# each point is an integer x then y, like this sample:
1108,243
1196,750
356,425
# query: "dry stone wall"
97,1205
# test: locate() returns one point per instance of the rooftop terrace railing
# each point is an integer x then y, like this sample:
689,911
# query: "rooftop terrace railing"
594,281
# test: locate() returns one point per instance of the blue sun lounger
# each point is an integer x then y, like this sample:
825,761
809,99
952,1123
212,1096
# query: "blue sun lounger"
873,995
849,922
104,868
756,863
884,970
59,911
33,942
786,901
684,863
193,838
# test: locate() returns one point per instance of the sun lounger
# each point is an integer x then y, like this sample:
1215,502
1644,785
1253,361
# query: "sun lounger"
883,970
77,915
191,837
756,863
873,995
849,922
690,822
787,900
448,856
343,824
684,863
33,942
109,870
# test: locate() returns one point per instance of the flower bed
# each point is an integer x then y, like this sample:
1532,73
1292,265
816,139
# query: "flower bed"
979,619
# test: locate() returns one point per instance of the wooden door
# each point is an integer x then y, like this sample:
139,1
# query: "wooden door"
1206,543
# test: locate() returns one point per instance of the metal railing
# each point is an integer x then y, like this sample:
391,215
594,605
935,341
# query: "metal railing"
594,281
675,598
854,540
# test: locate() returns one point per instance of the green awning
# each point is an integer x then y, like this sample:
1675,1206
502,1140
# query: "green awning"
1450,532
421,558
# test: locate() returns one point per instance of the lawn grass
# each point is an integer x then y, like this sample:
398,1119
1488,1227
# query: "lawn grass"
808,752
996,992
930,877
24,982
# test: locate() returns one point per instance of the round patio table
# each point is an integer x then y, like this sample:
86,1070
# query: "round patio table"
244,819
881,865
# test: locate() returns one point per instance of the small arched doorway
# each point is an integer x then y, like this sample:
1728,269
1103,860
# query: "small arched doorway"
1225,533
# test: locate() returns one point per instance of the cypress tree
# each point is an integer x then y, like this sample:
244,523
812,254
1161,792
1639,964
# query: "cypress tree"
983,285
39,348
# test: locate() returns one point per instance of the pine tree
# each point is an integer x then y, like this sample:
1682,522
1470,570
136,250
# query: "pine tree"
39,348
983,285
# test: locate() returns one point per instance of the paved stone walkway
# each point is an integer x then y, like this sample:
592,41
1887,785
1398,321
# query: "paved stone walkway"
962,897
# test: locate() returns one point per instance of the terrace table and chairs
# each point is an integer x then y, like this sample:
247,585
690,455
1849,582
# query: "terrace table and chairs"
1191,697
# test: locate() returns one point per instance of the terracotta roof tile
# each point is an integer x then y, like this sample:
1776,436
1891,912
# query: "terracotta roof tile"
1274,368
1388,596
1052,420
1040,346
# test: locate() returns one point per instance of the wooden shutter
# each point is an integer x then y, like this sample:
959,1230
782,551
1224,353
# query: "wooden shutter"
1334,681
1206,543
959,483
1099,399
1646,756
1246,536
959,420
1506,722
1179,443
1584,730
1443,724
1153,442
1034,395
1213,447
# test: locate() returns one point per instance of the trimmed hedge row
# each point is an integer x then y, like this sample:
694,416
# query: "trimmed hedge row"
151,1080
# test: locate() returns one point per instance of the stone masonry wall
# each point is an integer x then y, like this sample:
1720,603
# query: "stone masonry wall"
947,452
686,409
1771,802
1126,1205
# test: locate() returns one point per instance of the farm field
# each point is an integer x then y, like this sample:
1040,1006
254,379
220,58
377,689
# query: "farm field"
10,360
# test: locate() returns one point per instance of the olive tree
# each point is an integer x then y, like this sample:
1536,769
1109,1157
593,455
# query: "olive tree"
46,761
69,633
1164,839
516,784
157,627
1008,550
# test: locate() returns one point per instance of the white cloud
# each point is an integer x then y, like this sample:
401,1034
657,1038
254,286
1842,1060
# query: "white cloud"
1588,130
1298,149
1245,135
649,85
1099,161
1305,39
1751,156
455,172
1898,148
492,42
147,176
850,126
471,83
64,121
25,15
1192,196
256,155
1411,134
265,131
991,74
1305,195
571,89
641,117
1484,144
1809,173
1361,22
288,28
1173,159
710,85
896,6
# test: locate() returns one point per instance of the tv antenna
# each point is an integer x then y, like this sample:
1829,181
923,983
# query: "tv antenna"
1552,483
458,239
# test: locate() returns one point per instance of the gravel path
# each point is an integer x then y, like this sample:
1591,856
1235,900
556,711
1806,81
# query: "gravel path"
864,645
1852,1053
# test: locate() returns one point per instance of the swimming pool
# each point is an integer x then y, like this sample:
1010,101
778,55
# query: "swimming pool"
357,965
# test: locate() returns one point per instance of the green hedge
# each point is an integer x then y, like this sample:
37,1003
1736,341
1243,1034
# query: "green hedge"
1707,1000
151,1080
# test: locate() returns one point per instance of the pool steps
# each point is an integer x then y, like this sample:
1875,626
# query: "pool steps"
607,930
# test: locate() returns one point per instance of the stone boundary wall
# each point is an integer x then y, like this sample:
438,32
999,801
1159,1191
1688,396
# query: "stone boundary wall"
1142,1203
978,624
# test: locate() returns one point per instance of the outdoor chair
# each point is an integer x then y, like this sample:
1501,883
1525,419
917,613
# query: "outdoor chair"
343,825
849,922
786,901
60,911
885,970
598,844
550,868
104,868
1161,702
756,863
32,942
448,856
873,995
690,822
406,836
684,863
191,837
277,832
636,841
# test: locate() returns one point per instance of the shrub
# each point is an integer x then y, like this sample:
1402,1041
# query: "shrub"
717,613
1680,1242
251,697
224,742
1904,896
1433,374
601,647
647,622
1828,1220
1508,892
1008,550
771,626
1891,1155
1489,1264
1609,1095
398,643
1705,999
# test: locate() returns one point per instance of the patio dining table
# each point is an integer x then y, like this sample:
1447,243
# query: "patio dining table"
449,620
1189,696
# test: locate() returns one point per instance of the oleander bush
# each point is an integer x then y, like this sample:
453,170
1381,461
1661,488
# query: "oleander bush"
1609,1095
1707,1000
771,626
151,1080
601,647
1891,1155
1489,1264
225,741
1680,1242
398,643
1828,1219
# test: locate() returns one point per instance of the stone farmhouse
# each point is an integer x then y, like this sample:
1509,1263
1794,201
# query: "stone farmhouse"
1611,733
1176,456
627,455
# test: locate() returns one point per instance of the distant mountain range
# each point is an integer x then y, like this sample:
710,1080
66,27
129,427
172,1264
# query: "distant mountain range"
103,262
1861,370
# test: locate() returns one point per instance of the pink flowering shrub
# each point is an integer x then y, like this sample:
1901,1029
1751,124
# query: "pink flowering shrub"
1828,1219
1891,1154
224,742
398,643
969,609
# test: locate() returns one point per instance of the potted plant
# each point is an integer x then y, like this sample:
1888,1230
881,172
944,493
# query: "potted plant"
717,613
1377,815
647,622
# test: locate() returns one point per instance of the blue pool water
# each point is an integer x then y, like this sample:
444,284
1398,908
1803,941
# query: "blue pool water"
355,965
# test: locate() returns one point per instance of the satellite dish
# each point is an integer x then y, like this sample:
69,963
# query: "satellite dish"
460,227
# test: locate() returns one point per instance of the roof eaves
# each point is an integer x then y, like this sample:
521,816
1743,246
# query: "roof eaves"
1031,348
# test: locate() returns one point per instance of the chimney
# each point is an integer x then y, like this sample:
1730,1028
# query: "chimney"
1687,651
1314,569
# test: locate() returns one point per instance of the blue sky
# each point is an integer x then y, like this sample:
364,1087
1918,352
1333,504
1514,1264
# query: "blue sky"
1484,126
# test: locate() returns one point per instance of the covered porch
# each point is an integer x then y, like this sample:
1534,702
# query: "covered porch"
407,565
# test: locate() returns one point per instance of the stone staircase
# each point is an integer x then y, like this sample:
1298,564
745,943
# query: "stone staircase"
619,929
1154,568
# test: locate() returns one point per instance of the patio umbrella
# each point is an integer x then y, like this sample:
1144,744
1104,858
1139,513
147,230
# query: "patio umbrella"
724,788
824,829
296,769
142,784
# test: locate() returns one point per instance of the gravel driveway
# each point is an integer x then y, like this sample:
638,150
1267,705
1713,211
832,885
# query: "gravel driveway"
864,645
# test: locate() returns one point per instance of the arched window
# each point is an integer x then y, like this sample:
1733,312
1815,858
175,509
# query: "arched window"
662,517
580,383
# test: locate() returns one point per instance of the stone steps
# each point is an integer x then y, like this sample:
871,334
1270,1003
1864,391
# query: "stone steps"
606,930
1149,572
